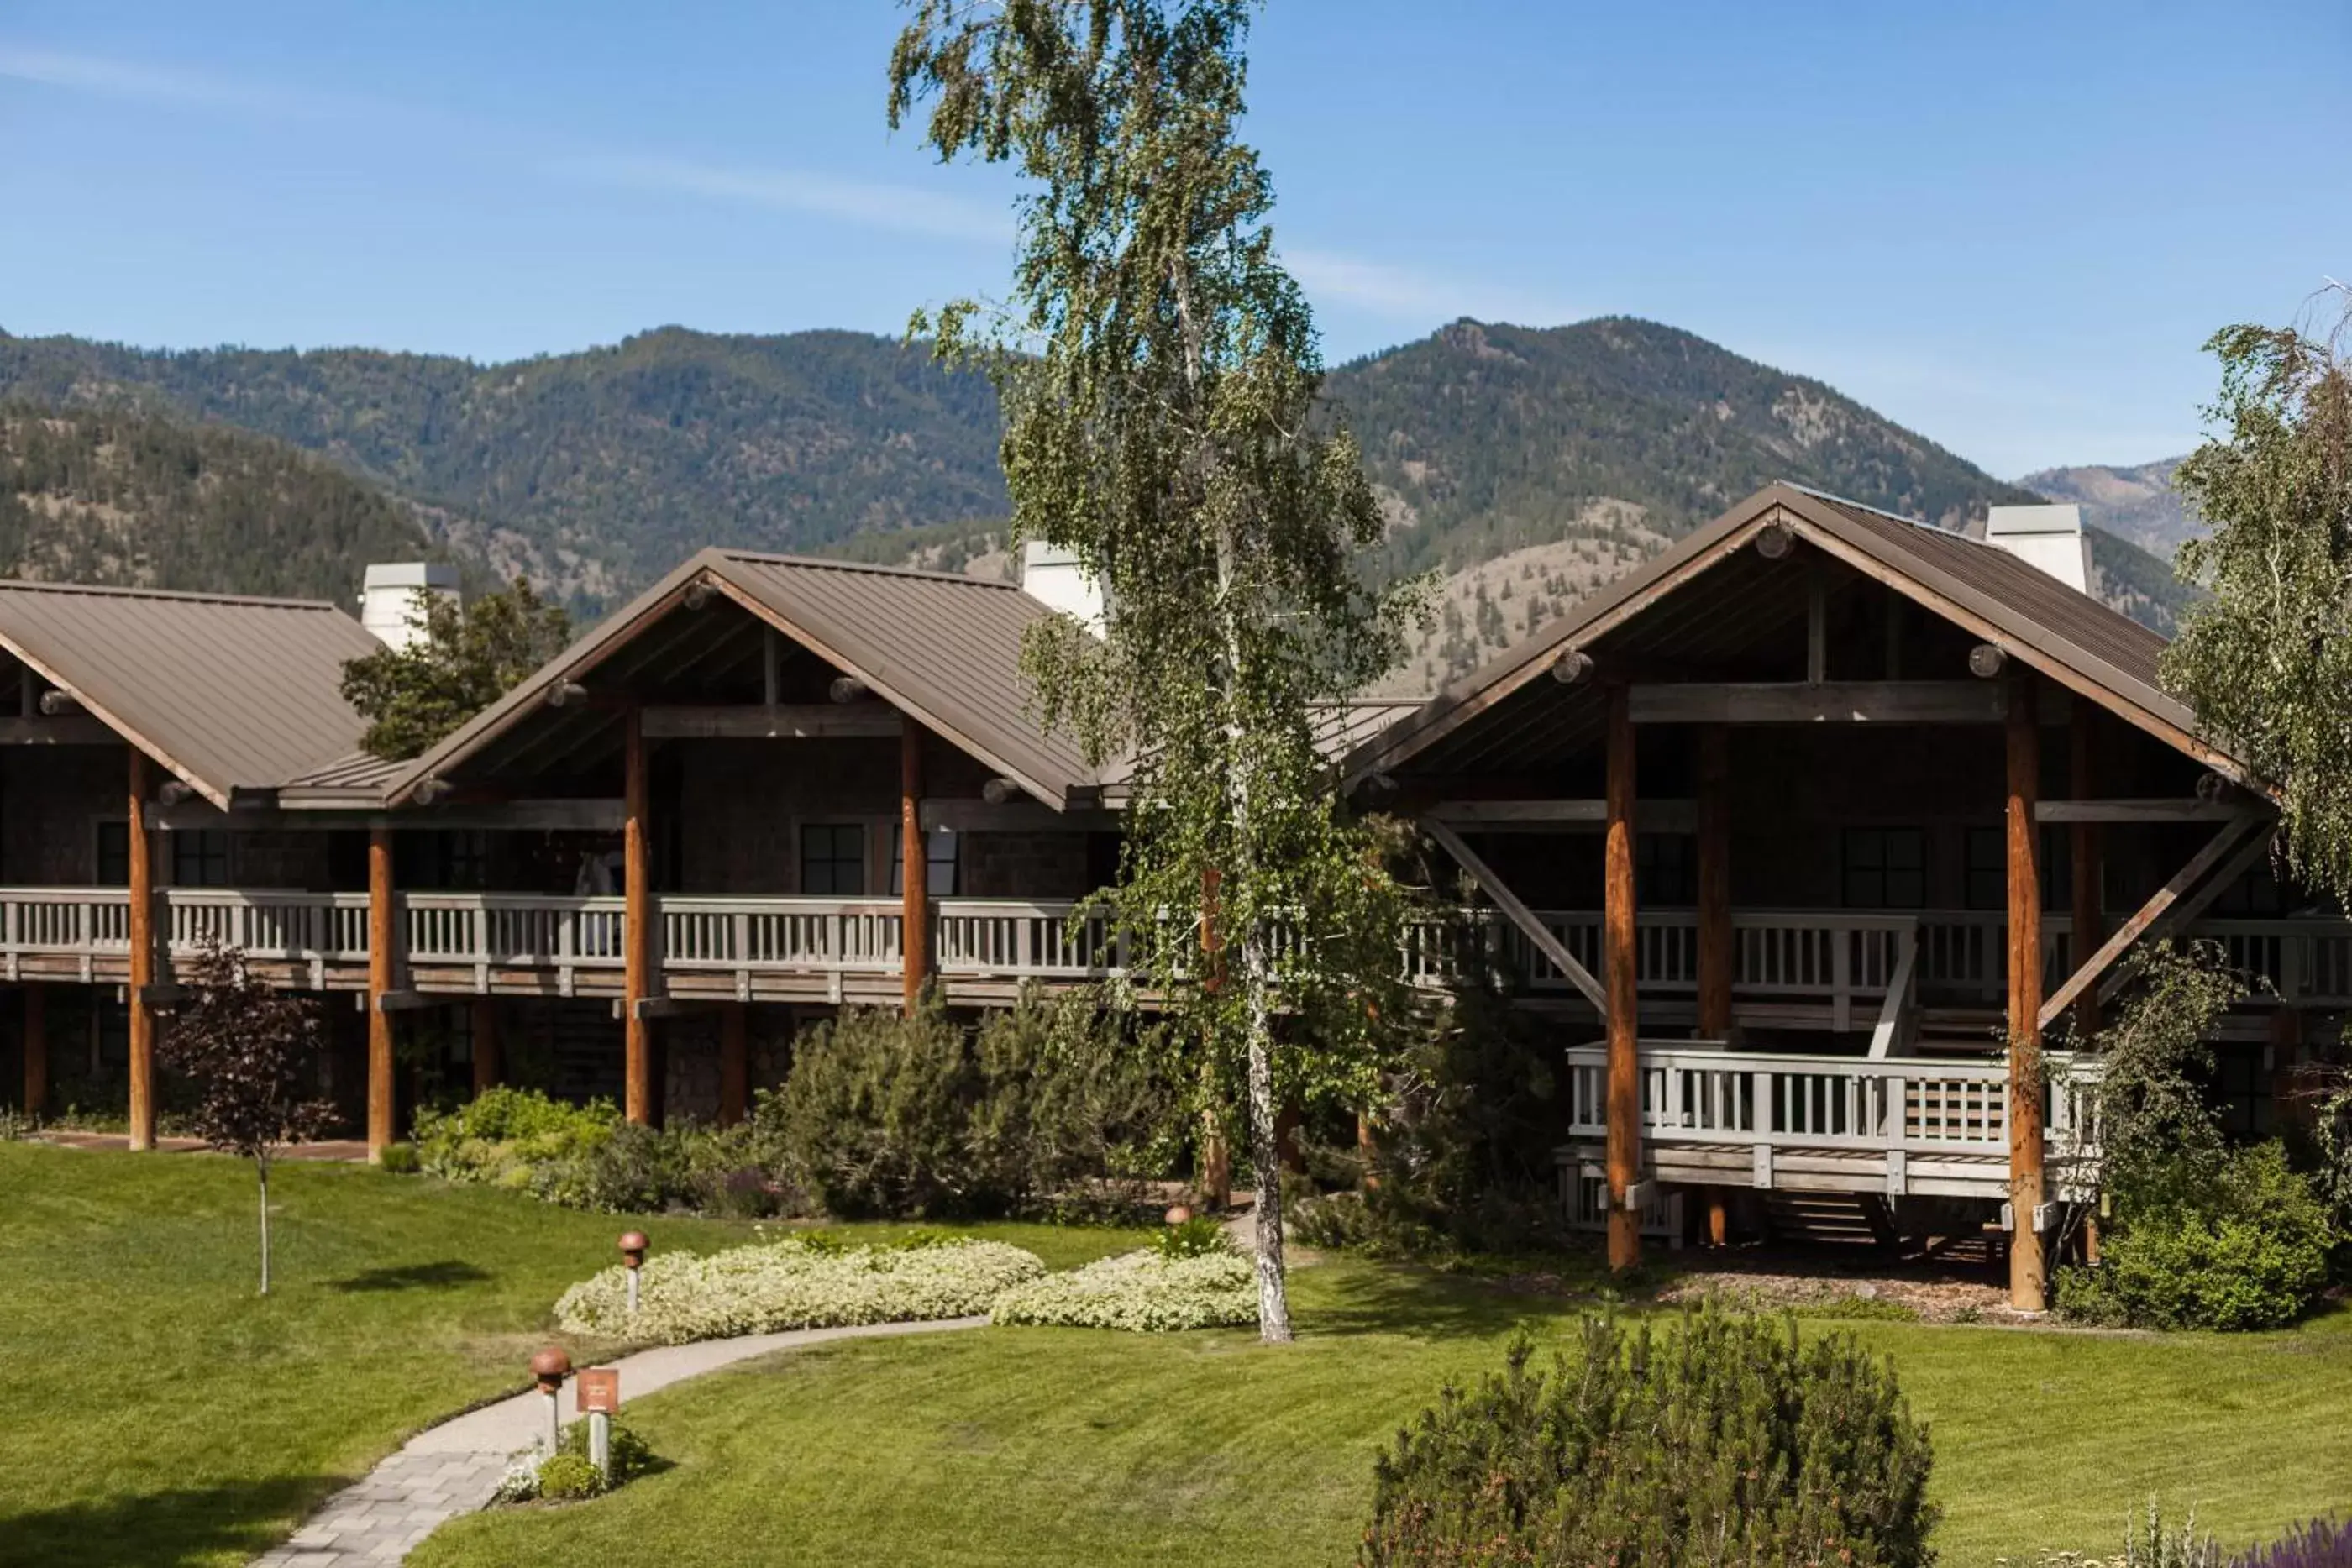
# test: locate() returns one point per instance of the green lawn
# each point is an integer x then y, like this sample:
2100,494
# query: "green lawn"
158,1411
160,1414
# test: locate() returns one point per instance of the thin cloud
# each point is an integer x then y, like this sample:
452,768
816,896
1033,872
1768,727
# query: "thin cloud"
106,78
1398,294
902,209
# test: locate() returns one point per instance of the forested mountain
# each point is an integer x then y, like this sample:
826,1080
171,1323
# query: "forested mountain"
2136,502
1554,458
119,497
593,471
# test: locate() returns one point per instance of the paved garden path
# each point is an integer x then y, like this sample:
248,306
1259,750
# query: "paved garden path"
454,1468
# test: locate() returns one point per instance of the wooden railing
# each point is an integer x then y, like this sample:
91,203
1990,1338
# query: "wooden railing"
1920,1106
1845,961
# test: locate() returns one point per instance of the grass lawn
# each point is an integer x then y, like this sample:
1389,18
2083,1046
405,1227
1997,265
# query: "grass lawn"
158,1411
161,1413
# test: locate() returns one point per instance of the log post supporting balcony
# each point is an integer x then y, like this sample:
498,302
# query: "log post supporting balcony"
1716,955
142,933
2027,1280
2083,721
636,925
914,871
384,955
482,1019
1624,1110
734,1062
37,1049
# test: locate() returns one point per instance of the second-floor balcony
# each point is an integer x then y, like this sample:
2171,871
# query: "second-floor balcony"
1834,972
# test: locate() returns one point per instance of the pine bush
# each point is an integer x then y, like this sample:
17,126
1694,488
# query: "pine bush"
1724,1440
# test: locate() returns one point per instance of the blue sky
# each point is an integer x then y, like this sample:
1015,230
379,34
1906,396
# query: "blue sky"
2008,226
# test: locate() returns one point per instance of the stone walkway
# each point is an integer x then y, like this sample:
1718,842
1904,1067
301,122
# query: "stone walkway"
455,1467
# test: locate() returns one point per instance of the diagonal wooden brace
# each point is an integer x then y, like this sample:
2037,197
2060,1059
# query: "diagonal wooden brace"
1519,914
2178,901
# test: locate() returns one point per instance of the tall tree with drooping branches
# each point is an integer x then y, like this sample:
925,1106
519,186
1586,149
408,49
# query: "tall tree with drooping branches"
2267,661
1159,374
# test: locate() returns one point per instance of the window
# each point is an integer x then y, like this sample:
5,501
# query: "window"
833,859
199,859
1886,868
939,862
114,853
1666,870
1988,868
446,859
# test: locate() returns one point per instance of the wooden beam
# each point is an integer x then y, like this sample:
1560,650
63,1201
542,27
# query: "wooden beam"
2189,810
734,1063
781,721
1716,953
582,816
382,954
1022,816
1817,630
1571,815
2028,1284
1518,914
36,1050
1828,702
2192,904
67,729
1619,949
636,925
914,869
142,933
2088,928
489,1066
2235,835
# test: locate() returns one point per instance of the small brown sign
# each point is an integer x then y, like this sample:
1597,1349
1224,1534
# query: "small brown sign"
598,1388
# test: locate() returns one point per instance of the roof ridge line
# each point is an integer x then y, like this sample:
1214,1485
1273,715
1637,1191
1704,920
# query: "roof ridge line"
183,595
787,558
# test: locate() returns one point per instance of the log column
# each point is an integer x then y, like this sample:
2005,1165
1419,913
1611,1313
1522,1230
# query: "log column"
36,1050
637,925
915,871
142,933
1625,1153
482,1019
1716,959
2089,918
734,1062
2027,1279
383,966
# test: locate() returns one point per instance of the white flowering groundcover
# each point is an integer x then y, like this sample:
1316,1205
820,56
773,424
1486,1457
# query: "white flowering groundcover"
1142,1292
773,1286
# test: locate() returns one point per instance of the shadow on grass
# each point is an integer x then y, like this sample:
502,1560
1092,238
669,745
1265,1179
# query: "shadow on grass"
412,1277
1482,1302
161,1528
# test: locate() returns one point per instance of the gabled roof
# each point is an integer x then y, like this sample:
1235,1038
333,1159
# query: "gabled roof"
2072,638
945,649
228,693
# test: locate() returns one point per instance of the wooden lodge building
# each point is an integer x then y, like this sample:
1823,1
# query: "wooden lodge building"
1765,826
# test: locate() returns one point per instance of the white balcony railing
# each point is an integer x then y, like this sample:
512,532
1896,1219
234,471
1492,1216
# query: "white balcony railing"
1846,960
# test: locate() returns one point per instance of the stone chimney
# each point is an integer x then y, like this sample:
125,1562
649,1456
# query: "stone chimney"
1055,579
391,598
2048,538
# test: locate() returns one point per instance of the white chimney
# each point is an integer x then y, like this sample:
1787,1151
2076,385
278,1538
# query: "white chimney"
391,598
2049,537
1055,578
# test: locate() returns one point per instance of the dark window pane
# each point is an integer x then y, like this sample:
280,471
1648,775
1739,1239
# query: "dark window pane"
833,859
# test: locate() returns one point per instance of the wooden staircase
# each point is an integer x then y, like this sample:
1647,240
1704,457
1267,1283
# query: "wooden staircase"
1830,1219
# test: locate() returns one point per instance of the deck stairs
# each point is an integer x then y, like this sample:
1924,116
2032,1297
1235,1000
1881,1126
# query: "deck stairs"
1829,1219
1958,1031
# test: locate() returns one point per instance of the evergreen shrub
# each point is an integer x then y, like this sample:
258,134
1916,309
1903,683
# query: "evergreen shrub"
1725,1439
2245,1246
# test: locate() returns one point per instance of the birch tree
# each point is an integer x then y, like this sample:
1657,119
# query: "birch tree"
1159,374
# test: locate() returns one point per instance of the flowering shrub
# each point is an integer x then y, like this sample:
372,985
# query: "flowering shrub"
795,1284
2321,1543
504,1135
1142,1292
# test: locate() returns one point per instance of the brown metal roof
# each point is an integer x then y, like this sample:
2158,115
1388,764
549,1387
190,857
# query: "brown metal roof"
228,693
2070,637
945,649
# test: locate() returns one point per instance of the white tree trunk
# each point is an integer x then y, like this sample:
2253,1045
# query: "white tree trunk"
1265,1149
262,1167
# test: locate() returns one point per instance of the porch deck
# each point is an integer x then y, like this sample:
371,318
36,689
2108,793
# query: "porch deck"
1912,1127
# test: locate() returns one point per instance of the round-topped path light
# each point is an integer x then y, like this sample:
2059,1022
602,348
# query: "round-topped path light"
633,1257
549,1368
